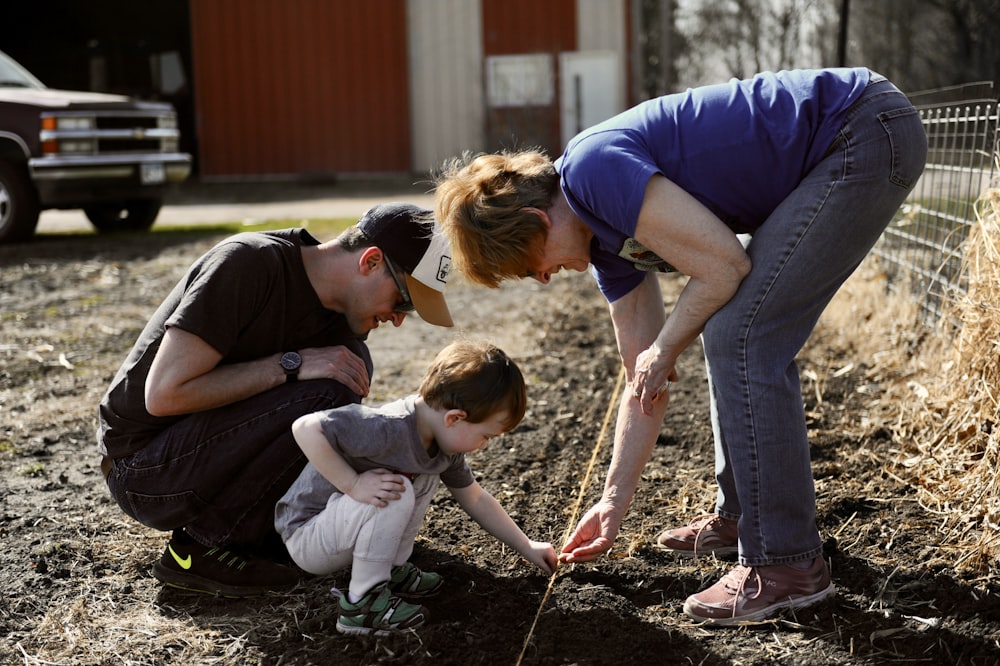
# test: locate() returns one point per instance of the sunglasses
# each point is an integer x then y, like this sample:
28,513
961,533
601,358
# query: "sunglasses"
406,306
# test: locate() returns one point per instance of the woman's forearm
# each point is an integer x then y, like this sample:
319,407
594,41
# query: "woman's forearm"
635,436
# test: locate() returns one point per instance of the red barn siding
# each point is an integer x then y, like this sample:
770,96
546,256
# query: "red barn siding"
513,27
528,26
300,87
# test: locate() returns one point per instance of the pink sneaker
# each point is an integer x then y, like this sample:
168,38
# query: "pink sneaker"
707,535
747,594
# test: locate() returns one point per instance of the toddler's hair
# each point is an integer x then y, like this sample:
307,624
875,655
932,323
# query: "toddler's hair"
478,378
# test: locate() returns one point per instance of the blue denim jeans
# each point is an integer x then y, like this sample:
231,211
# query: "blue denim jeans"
219,473
801,256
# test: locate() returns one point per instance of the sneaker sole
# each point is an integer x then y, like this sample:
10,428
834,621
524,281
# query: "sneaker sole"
192,583
353,630
727,552
763,613
361,631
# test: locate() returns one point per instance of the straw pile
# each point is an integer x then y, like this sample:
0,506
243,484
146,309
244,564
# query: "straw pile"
937,391
956,436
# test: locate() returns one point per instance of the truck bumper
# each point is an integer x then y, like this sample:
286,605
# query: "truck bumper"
74,181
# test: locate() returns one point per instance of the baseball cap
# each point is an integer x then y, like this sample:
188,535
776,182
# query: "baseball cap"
413,242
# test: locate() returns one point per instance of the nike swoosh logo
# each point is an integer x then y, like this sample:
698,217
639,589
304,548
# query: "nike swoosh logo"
185,563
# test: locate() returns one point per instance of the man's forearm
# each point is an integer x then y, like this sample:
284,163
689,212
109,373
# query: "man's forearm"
223,385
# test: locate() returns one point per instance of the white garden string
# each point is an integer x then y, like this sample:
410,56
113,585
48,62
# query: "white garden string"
576,507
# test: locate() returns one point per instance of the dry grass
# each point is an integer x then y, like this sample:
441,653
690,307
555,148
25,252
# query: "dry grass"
932,390
936,389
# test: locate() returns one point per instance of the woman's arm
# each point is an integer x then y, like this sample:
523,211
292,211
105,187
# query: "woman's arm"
638,317
681,231
688,236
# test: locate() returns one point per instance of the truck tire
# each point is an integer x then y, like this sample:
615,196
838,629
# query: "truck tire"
18,204
132,215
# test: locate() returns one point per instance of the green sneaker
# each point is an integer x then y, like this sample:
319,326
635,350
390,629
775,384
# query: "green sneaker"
409,581
380,613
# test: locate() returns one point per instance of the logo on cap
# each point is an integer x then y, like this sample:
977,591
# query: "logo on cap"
444,268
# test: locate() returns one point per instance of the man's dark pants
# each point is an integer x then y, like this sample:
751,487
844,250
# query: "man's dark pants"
218,474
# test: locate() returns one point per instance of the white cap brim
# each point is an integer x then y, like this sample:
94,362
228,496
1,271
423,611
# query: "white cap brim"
428,280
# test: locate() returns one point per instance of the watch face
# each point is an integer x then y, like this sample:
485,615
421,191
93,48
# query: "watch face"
291,361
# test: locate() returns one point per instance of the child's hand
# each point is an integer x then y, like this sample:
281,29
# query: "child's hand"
542,555
377,487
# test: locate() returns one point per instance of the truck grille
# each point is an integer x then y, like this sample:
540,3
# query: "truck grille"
128,145
73,133
108,122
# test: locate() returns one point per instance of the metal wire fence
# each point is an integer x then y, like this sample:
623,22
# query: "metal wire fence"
922,248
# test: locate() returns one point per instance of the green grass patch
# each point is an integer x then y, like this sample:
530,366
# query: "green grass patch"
325,227
34,470
322,228
92,301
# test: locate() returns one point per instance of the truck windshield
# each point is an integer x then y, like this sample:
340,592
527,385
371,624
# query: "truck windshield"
12,75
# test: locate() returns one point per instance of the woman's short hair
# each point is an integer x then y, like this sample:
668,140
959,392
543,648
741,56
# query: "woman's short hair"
480,204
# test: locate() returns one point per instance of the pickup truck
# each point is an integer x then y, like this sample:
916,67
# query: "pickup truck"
111,155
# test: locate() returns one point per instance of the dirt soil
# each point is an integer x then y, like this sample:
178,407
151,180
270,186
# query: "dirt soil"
76,586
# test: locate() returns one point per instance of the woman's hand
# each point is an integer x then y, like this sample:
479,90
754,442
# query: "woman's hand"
653,376
377,487
594,535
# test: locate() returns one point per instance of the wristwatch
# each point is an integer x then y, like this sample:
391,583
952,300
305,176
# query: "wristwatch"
290,363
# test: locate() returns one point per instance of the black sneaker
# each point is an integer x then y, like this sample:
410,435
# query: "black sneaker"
188,565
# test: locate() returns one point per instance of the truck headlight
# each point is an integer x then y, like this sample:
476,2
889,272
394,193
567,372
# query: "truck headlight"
68,134
75,122
77,146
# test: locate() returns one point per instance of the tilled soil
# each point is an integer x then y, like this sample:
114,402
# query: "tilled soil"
76,584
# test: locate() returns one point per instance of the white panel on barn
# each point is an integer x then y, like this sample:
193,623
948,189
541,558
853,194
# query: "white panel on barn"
600,25
446,80
520,80
590,90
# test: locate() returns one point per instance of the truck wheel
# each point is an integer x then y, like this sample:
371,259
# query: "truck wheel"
132,215
18,204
